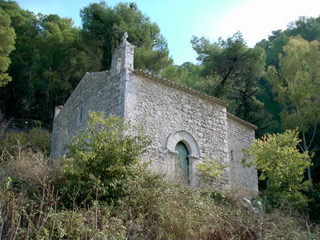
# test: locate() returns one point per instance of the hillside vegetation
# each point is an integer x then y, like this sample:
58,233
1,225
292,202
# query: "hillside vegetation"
103,191
274,85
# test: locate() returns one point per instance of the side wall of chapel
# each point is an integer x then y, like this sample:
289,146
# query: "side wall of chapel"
96,92
171,113
244,180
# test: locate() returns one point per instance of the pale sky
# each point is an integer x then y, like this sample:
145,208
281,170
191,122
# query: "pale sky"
180,19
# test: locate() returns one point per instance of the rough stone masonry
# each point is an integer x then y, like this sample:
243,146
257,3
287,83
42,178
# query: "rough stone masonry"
186,126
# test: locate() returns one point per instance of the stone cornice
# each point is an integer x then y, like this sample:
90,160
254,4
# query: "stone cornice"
181,87
243,122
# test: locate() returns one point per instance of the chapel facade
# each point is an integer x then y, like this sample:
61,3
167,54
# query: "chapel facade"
186,126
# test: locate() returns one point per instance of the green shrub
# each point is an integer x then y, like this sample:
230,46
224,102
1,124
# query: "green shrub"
28,194
93,223
210,170
40,139
103,158
24,218
11,147
283,166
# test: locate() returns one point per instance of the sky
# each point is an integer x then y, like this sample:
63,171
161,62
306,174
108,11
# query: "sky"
179,20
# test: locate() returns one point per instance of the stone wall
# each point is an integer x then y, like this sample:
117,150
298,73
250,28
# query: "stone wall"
99,91
244,181
95,92
166,108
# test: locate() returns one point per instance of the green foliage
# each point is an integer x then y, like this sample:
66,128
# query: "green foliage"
187,74
51,55
273,46
211,169
153,209
229,59
309,29
231,71
314,204
104,26
35,210
306,27
7,41
27,192
297,83
59,65
16,97
103,157
14,143
283,166
93,223
39,139
47,64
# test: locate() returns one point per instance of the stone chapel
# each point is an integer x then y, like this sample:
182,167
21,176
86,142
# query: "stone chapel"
186,126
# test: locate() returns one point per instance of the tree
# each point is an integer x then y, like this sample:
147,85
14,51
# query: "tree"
103,157
306,27
47,64
309,29
104,26
61,64
16,97
231,70
7,41
297,87
282,165
187,74
228,61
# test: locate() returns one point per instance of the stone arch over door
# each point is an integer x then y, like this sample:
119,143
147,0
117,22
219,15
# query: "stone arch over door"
184,137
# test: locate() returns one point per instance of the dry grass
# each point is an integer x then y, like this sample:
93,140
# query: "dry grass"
33,206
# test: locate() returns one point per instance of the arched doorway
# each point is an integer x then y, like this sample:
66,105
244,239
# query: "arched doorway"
183,155
182,163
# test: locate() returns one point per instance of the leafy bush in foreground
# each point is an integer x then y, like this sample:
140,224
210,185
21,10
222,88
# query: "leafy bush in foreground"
282,165
103,158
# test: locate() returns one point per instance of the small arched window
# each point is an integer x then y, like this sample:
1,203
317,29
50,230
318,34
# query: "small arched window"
182,162
80,116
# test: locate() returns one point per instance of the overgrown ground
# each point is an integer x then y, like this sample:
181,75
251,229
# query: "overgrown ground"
42,200
33,205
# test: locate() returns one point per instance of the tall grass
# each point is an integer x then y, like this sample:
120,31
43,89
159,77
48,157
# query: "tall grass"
35,203
32,207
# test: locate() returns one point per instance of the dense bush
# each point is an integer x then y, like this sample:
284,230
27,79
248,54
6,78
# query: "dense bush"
103,158
282,165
